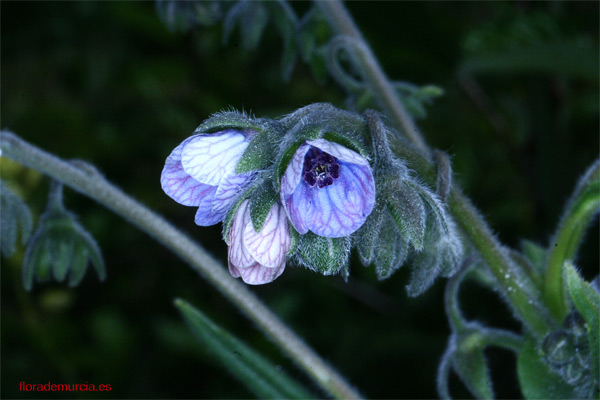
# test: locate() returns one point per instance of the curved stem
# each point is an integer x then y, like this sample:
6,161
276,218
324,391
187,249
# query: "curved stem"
455,317
502,338
96,187
341,21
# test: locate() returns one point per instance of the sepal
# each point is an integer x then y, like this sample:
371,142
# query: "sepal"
14,216
230,120
180,16
261,201
60,245
252,17
314,34
259,152
367,237
287,23
408,212
324,255
390,257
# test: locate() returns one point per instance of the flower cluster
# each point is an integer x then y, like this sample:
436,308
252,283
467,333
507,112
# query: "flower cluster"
303,188
326,188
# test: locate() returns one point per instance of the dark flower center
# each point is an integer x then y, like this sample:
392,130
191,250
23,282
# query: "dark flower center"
320,168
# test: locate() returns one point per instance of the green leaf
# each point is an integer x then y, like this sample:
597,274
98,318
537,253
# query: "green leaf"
534,253
408,212
257,155
248,366
260,204
587,302
537,379
322,254
470,364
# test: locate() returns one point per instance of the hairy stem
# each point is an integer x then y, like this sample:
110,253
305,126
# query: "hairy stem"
581,208
341,21
96,187
513,283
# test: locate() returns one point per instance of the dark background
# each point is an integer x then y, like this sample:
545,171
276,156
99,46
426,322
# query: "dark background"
108,83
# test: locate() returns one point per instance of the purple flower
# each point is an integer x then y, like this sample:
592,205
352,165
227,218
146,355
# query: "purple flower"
258,257
327,189
200,172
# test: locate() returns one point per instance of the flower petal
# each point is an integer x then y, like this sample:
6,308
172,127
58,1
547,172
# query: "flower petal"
233,270
178,185
297,206
209,158
239,257
206,216
293,172
269,246
257,274
229,188
338,151
341,208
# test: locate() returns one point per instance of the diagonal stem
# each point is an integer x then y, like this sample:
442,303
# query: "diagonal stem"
525,300
96,187
341,21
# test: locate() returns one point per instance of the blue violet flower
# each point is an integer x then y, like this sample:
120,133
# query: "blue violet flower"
327,189
258,257
200,172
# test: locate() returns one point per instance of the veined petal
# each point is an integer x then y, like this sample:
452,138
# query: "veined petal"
228,190
238,255
209,158
338,151
297,207
269,246
233,270
257,274
178,185
293,172
206,216
341,208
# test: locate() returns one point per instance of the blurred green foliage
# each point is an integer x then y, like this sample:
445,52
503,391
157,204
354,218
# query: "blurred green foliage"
108,83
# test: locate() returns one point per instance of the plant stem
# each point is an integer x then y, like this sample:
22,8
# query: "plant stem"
580,209
513,283
96,187
341,21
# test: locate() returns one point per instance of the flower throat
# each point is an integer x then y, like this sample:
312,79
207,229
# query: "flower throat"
320,168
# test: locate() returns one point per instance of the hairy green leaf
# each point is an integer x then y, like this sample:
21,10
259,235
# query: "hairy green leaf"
247,365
